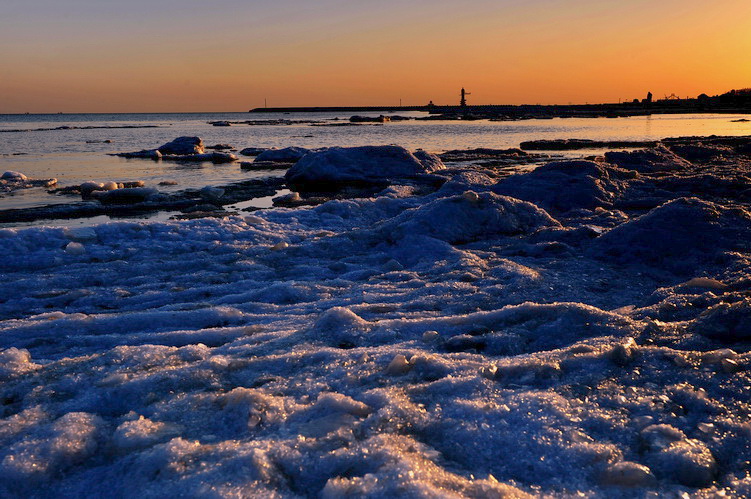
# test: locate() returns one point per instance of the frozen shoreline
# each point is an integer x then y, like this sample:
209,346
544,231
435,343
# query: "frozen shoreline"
580,328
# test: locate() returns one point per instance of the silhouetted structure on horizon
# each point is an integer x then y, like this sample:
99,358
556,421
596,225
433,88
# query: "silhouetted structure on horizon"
463,101
733,101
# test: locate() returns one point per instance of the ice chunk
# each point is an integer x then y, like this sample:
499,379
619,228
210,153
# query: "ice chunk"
81,234
68,441
285,155
87,188
341,326
658,437
140,433
704,282
152,154
699,231
628,474
292,197
701,152
730,366
253,151
331,168
562,186
282,245
464,181
657,159
727,322
398,366
126,196
253,219
244,408
716,356
74,248
624,352
337,402
211,194
213,157
15,361
182,146
688,462
464,218
14,176
471,196
430,336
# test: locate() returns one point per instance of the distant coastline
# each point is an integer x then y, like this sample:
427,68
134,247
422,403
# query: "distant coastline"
513,112
734,101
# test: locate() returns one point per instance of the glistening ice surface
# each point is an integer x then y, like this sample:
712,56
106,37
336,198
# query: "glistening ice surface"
579,329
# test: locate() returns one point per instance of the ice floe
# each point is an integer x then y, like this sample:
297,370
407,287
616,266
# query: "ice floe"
335,166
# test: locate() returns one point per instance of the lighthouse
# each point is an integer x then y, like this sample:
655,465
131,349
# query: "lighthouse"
463,101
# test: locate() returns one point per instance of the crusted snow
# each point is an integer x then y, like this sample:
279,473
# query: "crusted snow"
463,343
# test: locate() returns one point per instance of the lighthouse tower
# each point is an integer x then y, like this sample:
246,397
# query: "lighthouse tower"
463,101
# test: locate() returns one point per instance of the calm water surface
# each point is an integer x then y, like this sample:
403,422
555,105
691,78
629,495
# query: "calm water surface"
74,156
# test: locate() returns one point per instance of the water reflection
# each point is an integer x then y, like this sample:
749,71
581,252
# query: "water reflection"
78,155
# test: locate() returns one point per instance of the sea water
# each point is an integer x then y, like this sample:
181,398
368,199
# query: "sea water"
78,154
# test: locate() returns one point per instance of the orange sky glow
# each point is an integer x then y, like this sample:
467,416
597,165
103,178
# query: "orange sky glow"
230,55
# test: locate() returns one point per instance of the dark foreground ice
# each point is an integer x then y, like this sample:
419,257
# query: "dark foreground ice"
582,329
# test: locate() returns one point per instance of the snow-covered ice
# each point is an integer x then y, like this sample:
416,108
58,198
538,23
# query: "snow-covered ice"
336,166
488,339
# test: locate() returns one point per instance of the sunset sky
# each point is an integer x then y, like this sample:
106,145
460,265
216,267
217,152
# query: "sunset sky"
228,55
